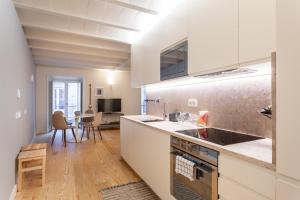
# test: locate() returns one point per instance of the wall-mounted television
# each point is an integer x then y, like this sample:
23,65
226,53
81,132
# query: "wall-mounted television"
109,105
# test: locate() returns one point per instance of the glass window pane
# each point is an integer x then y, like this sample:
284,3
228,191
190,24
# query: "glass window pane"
58,96
73,98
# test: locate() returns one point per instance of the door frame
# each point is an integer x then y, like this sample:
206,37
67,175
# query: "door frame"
65,79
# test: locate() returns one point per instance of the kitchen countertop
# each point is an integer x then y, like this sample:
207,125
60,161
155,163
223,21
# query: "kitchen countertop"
258,152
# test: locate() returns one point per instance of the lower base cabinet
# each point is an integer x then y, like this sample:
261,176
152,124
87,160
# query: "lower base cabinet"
243,180
147,151
287,189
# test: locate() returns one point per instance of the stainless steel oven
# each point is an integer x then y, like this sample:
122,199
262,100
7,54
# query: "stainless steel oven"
204,186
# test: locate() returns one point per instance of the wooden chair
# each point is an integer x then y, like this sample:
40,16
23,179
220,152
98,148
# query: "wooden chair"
62,113
96,123
87,124
27,157
78,114
59,123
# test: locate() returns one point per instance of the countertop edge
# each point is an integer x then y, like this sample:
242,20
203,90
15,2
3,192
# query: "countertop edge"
216,147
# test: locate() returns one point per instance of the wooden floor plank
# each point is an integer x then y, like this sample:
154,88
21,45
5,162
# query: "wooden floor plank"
78,171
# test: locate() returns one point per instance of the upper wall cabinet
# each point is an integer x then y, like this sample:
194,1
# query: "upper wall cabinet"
257,26
221,34
145,60
173,27
212,34
145,54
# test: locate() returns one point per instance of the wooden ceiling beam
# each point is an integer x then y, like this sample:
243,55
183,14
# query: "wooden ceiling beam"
78,51
70,16
72,56
60,64
65,31
75,61
34,31
132,6
75,44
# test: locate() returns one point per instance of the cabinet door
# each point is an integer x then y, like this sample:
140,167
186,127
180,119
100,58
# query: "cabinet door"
257,29
173,27
288,190
255,178
145,54
148,154
127,140
152,161
288,94
231,190
145,60
212,34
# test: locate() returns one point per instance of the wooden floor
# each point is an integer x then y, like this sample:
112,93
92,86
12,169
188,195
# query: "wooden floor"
80,170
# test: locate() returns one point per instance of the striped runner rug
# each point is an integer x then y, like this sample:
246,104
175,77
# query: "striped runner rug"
130,191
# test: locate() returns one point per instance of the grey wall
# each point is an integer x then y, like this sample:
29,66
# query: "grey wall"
16,68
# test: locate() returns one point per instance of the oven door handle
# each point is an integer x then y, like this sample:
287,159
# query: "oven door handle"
176,153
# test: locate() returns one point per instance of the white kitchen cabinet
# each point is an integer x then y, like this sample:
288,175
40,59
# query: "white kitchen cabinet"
243,180
126,140
145,53
231,190
212,35
221,35
147,151
288,94
257,29
145,60
287,189
173,27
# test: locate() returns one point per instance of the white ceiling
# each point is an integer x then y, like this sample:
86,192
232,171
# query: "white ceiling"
85,33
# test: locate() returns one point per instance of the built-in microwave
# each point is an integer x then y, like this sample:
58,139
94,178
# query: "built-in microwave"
174,62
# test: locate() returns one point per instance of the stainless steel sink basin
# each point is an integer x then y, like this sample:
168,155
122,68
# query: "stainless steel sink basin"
152,120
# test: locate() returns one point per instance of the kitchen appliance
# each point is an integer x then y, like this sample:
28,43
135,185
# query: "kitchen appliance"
219,136
267,111
173,117
205,183
109,105
174,62
227,73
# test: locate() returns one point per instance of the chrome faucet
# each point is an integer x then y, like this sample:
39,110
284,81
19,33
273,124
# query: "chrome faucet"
164,114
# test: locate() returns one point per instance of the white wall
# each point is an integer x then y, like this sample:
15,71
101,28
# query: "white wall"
120,89
16,68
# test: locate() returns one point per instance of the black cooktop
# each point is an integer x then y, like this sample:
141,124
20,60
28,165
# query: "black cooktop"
219,136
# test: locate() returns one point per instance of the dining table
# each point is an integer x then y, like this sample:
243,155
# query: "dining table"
77,119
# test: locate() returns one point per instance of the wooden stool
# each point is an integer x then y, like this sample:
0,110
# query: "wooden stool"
31,156
31,147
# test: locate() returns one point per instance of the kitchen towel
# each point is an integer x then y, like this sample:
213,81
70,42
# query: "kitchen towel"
185,167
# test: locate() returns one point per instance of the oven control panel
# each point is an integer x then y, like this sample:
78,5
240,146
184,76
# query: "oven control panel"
197,150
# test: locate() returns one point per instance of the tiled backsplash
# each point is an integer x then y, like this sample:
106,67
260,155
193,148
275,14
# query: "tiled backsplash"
232,104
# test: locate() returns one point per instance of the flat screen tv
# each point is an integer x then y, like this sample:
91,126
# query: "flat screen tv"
109,105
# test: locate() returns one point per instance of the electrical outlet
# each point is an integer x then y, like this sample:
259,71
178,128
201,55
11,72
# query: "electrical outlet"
192,103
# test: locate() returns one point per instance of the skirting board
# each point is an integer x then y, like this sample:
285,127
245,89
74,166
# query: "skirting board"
13,193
